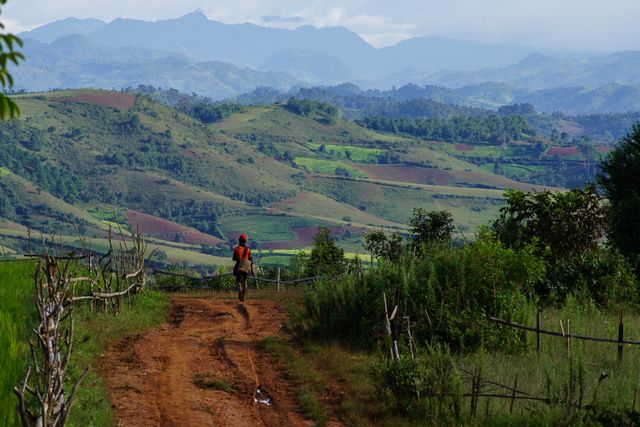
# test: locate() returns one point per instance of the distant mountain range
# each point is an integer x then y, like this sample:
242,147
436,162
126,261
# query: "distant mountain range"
194,54
442,101
538,71
75,61
260,47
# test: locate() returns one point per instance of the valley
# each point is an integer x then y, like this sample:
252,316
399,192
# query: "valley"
101,159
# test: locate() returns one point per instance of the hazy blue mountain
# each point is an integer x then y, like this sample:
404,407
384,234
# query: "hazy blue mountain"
50,32
542,72
430,54
243,44
194,53
251,45
76,61
309,67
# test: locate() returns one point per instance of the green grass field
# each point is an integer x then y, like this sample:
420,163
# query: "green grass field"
328,167
351,152
17,316
267,228
486,151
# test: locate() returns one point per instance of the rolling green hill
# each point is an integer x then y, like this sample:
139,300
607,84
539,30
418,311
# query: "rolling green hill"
79,161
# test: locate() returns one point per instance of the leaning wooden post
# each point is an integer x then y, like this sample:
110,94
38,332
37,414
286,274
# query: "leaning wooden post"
538,336
568,339
410,338
394,333
278,279
620,335
387,323
513,394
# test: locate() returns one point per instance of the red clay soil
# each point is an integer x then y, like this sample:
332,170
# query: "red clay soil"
151,376
604,148
463,147
168,230
107,99
402,173
563,151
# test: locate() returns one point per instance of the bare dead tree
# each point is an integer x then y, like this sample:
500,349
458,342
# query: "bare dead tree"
45,398
52,350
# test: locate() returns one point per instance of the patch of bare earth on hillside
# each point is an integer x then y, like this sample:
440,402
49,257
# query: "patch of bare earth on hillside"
119,100
203,368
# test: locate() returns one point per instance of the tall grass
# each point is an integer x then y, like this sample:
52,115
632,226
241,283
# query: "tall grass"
447,292
17,317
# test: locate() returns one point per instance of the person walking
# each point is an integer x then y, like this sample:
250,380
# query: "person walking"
243,266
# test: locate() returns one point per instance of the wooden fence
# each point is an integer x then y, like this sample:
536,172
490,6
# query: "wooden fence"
565,333
207,282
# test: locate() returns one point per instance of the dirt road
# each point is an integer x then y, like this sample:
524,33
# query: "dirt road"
152,377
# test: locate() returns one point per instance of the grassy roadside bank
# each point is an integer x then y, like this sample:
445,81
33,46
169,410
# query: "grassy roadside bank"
93,331
333,382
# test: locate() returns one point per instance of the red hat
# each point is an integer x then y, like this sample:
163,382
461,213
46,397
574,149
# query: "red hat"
244,236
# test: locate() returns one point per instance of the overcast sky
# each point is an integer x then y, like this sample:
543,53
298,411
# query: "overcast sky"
587,25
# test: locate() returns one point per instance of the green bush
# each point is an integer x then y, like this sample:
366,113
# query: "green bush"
603,276
406,385
447,291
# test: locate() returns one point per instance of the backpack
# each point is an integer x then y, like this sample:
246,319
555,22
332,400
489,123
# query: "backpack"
243,264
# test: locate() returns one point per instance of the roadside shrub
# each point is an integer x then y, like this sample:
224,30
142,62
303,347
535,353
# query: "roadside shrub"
407,385
447,292
603,276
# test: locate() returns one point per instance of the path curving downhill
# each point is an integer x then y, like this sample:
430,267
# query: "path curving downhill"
152,377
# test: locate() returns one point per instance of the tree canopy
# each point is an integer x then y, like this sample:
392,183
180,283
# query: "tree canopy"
621,184
568,223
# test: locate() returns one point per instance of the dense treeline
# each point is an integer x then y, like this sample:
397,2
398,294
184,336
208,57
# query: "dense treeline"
492,130
321,112
20,144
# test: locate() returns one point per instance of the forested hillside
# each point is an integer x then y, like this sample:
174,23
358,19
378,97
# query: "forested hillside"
194,176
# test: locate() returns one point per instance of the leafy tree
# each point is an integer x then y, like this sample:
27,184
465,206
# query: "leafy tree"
8,54
431,226
327,258
568,223
621,184
342,172
321,112
380,245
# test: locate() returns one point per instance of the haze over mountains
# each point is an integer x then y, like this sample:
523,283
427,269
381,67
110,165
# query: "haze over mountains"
194,54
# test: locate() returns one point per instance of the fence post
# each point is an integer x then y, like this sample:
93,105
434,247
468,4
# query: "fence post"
568,339
620,335
278,279
387,323
538,336
513,394
411,345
